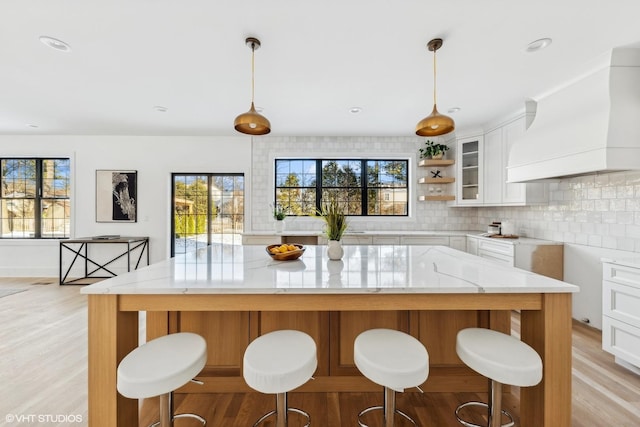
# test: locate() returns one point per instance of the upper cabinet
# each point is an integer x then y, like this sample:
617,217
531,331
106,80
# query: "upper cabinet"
491,169
469,158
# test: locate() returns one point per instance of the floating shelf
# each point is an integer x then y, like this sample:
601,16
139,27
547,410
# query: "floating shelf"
431,162
440,198
446,180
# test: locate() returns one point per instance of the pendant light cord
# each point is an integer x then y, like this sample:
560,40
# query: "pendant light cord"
253,52
434,76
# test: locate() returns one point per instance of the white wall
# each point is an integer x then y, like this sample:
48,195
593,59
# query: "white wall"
155,158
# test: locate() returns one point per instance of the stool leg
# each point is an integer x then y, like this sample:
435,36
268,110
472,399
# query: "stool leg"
281,410
166,410
495,404
389,407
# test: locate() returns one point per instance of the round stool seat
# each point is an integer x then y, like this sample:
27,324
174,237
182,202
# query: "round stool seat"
161,365
391,358
279,361
499,357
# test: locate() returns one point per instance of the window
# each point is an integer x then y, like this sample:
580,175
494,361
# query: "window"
34,198
366,187
207,208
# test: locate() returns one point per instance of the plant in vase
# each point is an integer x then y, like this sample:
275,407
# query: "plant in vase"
335,225
279,215
433,150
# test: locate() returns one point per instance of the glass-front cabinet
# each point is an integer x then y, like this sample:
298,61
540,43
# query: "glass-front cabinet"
470,163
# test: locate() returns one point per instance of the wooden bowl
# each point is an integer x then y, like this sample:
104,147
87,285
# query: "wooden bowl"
289,255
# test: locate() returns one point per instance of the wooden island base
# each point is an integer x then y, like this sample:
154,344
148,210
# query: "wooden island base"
229,333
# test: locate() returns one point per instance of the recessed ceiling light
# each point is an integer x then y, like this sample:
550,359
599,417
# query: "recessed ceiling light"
538,45
259,109
33,126
160,109
55,44
355,110
453,110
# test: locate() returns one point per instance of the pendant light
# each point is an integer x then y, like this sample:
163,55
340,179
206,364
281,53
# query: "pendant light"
435,123
252,122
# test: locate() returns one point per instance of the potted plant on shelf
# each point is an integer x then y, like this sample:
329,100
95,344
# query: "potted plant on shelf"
433,150
335,225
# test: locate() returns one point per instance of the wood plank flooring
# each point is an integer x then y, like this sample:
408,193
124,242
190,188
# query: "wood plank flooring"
43,372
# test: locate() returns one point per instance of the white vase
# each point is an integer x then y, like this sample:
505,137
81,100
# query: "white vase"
279,226
334,250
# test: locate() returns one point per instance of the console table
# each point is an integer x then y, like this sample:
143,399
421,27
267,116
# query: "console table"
93,267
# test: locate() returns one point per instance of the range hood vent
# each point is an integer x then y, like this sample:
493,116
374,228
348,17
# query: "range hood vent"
590,125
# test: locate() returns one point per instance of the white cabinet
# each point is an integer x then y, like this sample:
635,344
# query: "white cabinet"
458,242
472,245
497,251
621,312
425,240
469,158
385,240
497,192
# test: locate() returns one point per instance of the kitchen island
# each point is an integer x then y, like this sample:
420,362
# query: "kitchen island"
232,294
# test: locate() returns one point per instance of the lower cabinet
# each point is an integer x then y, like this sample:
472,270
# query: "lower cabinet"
621,313
229,334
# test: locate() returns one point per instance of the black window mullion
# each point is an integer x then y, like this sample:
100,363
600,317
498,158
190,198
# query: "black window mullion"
364,179
319,185
37,202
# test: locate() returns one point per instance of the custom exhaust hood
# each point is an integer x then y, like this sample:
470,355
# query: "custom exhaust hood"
590,125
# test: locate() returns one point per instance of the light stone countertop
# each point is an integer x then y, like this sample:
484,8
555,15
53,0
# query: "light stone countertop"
223,269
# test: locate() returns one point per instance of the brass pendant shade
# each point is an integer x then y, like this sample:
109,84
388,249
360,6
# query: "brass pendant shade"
252,122
435,124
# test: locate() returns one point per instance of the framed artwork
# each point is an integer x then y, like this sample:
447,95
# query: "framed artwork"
116,196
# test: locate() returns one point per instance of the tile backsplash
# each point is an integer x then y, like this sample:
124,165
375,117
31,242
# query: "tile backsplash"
600,210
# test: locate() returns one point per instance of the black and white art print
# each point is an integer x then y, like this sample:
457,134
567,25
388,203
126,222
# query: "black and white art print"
116,196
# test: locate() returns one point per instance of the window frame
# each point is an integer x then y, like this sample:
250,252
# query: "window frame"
210,176
39,197
363,188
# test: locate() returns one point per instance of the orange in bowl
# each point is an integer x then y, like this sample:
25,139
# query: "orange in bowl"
285,251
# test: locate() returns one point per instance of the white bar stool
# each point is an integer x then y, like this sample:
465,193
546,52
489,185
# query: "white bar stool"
394,360
501,358
276,363
160,366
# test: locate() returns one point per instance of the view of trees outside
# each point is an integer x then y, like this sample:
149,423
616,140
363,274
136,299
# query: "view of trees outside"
301,184
207,208
34,198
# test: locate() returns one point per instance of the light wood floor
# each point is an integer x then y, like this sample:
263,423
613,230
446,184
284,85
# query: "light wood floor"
43,371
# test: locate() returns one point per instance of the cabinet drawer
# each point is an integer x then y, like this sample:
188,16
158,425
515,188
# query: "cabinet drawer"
621,274
496,247
621,302
423,240
621,339
504,259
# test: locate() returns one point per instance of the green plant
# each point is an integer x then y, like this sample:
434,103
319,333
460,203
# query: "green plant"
431,149
334,218
279,213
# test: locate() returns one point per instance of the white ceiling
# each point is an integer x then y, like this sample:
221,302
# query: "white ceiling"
318,59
